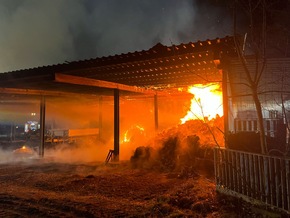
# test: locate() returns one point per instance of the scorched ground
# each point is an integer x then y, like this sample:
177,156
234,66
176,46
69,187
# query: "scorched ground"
45,189
173,178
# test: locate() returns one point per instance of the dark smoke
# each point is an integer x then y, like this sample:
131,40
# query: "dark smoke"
40,32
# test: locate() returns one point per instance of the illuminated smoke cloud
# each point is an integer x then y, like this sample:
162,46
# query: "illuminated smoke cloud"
40,32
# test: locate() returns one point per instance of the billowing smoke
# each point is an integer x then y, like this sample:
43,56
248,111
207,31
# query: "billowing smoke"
39,32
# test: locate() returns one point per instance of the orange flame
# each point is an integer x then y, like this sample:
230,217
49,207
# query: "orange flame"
136,129
206,103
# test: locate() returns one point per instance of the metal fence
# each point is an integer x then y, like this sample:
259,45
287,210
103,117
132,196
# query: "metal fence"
260,177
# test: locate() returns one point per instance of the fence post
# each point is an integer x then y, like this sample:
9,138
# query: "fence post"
216,166
261,177
266,178
287,172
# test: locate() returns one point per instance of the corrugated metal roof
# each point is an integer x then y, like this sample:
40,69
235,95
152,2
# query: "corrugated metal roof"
160,66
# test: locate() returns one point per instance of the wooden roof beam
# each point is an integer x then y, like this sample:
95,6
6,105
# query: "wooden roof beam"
77,80
19,91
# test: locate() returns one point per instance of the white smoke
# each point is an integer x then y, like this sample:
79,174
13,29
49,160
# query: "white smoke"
40,32
35,33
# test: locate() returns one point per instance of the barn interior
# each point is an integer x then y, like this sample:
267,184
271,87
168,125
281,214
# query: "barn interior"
110,100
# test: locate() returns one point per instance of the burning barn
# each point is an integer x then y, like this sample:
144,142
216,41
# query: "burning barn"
159,78
127,98
154,89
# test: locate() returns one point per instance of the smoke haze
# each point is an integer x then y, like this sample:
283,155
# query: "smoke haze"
40,32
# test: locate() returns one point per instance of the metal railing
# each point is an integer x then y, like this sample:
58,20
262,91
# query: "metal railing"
260,177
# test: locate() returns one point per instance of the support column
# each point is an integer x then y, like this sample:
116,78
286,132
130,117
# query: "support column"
42,126
225,104
11,132
156,112
116,124
100,117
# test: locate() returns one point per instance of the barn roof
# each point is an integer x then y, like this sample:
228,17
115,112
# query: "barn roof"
159,68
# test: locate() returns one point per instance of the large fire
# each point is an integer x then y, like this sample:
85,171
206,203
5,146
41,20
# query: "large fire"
206,103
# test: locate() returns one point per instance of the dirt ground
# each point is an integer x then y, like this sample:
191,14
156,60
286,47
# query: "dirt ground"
41,188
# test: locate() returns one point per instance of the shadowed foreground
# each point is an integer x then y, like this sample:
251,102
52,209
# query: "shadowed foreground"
42,189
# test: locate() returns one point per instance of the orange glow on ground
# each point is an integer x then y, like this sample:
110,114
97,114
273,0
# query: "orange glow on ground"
206,102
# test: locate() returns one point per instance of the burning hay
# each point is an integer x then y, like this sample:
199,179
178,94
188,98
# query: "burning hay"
177,149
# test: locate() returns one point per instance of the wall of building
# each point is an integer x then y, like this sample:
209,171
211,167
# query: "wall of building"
274,94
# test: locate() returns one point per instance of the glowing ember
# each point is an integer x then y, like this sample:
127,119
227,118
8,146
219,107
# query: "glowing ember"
206,103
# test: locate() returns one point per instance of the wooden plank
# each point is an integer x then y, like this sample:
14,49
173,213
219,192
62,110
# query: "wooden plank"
283,182
266,179
243,173
287,173
223,164
77,80
257,178
230,169
19,91
247,174
251,176
225,168
216,166
234,165
261,175
273,181
277,182
238,172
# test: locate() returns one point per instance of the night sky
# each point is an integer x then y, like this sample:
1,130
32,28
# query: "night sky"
43,32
